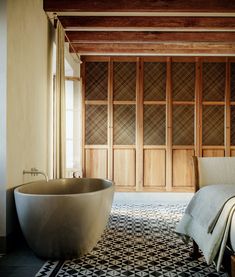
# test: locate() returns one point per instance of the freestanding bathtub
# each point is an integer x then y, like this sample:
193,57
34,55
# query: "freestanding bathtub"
64,218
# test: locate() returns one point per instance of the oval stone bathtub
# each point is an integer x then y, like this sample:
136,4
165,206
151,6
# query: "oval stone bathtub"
64,218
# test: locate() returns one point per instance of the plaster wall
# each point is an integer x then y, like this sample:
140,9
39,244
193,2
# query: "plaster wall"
29,78
3,99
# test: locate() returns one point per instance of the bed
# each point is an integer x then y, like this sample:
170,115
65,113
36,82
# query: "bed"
209,218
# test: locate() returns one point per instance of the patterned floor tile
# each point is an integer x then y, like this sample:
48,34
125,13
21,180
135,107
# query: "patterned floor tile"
139,241
47,269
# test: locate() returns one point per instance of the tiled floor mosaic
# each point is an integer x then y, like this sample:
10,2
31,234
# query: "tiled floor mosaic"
139,241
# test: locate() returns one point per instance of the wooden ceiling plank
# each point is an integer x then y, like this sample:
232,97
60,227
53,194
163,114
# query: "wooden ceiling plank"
139,6
145,23
148,37
160,48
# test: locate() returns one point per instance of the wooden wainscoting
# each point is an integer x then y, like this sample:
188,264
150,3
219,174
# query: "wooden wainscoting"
182,169
96,163
124,168
155,169
145,117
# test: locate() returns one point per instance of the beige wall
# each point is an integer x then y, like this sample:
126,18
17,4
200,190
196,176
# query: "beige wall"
3,93
29,40
27,93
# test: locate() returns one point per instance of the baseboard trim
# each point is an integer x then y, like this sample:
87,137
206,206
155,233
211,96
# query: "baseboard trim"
10,241
3,245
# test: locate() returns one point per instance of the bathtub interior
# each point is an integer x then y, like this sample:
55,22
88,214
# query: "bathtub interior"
65,186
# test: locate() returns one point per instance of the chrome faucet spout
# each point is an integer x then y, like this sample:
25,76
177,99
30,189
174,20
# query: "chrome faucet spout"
44,174
34,171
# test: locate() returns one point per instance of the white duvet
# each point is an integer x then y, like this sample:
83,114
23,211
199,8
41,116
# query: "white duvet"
207,220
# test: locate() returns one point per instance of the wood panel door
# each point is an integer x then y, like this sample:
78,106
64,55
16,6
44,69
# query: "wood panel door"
95,119
124,88
213,108
144,118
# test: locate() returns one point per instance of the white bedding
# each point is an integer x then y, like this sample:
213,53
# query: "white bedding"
209,224
207,204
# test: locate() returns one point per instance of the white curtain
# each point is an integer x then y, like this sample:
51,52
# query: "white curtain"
59,106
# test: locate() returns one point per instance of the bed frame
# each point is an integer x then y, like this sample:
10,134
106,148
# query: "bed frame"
230,266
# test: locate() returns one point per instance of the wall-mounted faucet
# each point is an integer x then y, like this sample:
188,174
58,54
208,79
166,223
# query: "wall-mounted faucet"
34,171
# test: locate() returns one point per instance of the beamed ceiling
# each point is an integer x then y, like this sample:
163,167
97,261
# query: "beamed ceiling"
147,27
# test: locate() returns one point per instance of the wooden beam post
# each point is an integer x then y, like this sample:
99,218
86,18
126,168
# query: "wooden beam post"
198,108
110,119
227,111
139,126
169,154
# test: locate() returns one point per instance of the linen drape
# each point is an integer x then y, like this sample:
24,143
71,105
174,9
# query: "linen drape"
59,105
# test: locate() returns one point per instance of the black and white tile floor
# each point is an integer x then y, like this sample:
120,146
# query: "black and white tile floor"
139,241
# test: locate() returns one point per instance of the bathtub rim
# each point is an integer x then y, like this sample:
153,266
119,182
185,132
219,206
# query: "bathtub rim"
16,190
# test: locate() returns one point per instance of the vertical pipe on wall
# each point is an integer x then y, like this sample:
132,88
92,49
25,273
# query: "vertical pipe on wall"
227,111
139,126
169,158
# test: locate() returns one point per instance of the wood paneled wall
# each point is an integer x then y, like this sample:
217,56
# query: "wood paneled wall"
144,118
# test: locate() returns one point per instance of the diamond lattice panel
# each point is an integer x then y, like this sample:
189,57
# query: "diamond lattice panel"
183,78
154,81
96,124
124,85
183,125
154,124
232,81
213,125
214,75
96,80
124,124
232,125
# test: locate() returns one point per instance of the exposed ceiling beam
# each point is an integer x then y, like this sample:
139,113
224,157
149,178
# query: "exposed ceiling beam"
147,23
147,37
139,6
154,49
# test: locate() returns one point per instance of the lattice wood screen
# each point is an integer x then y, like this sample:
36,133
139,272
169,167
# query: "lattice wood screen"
96,124
154,81
124,124
183,79
163,158
232,125
183,125
154,124
232,81
213,125
96,80
124,86
214,81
